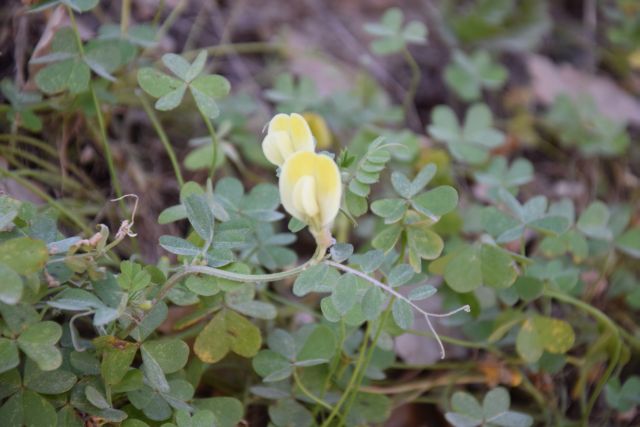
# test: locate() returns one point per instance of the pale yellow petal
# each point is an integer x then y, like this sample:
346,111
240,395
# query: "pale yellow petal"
300,133
304,196
271,150
329,188
310,186
280,122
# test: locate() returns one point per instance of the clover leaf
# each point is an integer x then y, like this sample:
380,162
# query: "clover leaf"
21,111
392,36
499,174
77,5
204,88
291,94
532,215
467,75
470,142
494,411
70,66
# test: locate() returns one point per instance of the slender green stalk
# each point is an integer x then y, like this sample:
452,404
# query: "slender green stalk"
163,138
416,75
352,380
101,125
214,142
37,191
372,347
107,149
308,393
76,33
613,329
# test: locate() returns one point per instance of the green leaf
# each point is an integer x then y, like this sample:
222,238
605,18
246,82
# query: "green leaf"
594,221
320,344
9,357
179,246
96,398
27,408
480,265
437,202
202,285
318,278
496,402
512,419
116,359
465,404
200,216
132,277
402,314
401,184
177,65
372,303
24,255
47,382
171,100
392,210
387,238
271,366
341,251
38,342
288,412
156,83
197,66
471,142
629,242
543,333
368,261
423,244
71,74
10,285
171,354
227,410
345,295
399,275
153,372
422,292
257,309
227,331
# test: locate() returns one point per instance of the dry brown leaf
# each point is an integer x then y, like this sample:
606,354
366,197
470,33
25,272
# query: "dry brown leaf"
550,80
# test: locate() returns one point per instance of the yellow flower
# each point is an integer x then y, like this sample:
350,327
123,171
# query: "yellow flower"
286,135
311,190
320,130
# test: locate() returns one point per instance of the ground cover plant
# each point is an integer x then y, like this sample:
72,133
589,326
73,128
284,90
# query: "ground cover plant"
215,216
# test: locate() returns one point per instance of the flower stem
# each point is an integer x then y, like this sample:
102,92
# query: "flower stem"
416,75
398,295
214,143
163,138
613,329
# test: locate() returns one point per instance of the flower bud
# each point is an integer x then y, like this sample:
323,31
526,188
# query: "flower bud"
286,135
311,189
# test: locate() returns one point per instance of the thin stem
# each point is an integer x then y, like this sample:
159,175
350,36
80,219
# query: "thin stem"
107,149
416,75
352,380
398,295
163,138
125,14
76,33
613,328
214,143
308,393
374,342
238,277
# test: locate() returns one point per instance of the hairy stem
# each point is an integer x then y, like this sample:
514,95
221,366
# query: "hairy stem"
398,295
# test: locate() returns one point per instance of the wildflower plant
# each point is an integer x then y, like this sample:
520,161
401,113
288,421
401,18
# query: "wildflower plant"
287,279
